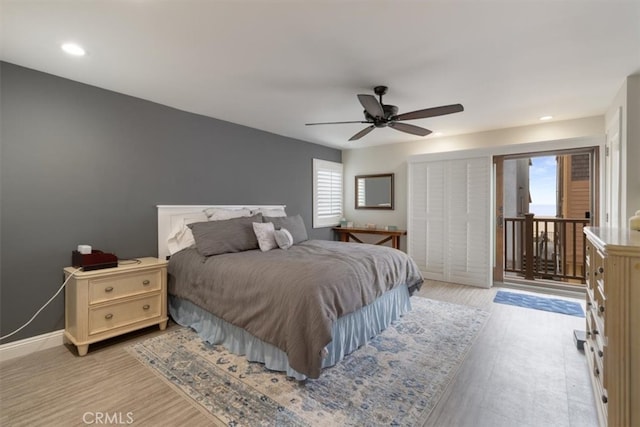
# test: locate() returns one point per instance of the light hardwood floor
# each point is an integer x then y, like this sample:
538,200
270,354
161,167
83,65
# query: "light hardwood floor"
523,370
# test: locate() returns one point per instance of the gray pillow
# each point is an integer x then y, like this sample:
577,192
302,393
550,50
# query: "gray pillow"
294,224
230,235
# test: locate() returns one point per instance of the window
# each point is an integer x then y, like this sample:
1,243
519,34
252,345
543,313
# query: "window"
327,193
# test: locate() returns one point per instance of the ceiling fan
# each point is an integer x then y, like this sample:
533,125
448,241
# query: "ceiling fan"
379,115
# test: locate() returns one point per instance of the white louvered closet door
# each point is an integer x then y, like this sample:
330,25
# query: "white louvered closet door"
427,220
449,220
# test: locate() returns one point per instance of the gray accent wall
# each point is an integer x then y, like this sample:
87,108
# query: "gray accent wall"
84,165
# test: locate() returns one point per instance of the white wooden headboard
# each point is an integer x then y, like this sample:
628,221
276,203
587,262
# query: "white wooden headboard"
169,215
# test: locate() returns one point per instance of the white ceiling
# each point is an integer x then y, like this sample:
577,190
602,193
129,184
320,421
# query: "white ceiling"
276,65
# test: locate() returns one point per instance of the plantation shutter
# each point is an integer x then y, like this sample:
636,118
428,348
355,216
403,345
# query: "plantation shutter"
449,220
327,193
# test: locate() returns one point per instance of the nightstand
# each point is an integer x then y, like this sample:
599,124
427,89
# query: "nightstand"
105,303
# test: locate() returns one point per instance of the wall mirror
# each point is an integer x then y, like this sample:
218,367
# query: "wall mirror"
374,191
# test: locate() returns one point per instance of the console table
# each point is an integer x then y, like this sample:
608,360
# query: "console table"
347,233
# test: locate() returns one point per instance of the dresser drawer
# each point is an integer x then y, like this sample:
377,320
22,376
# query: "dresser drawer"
110,288
598,376
595,326
121,314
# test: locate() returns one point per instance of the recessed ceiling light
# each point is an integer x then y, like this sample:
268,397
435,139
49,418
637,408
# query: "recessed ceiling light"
545,118
73,49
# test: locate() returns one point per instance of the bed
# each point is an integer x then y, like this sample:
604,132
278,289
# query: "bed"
298,307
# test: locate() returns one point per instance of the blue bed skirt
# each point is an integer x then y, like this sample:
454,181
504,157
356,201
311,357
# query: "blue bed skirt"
349,332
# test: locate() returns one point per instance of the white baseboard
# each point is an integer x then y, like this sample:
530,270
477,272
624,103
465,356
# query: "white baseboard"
31,345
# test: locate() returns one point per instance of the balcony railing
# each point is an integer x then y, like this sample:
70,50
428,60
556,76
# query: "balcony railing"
545,248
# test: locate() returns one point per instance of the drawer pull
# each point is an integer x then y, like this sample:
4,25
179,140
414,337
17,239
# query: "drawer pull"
589,304
146,282
600,353
595,332
591,348
146,307
597,372
604,399
108,289
601,308
600,270
108,316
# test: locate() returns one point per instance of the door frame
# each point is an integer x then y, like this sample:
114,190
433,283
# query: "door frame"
595,152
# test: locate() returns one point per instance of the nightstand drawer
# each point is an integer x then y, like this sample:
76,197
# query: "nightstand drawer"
106,289
116,315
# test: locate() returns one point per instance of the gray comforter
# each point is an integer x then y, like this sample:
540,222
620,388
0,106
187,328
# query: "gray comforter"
290,298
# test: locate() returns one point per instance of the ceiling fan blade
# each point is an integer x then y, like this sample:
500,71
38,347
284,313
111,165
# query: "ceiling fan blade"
405,127
362,133
334,123
371,104
429,112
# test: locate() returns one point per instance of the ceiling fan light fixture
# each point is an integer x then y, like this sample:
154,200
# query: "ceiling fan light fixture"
73,49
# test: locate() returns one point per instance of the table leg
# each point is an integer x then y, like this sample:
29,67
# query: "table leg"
396,242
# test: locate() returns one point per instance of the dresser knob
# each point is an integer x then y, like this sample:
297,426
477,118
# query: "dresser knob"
600,353
595,332
600,270
146,282
146,307
597,372
108,316
604,399
589,304
601,308
108,289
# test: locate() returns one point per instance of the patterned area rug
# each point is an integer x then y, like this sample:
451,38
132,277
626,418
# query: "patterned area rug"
538,303
396,379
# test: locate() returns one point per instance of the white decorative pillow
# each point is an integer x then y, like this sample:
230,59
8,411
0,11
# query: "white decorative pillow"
265,235
221,214
181,236
270,211
284,239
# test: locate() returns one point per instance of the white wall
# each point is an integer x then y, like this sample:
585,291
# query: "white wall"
633,146
393,158
628,100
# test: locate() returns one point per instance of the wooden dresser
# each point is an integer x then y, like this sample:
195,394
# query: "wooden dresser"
101,304
613,324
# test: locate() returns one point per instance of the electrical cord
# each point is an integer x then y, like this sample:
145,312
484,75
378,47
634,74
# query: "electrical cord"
131,261
43,307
